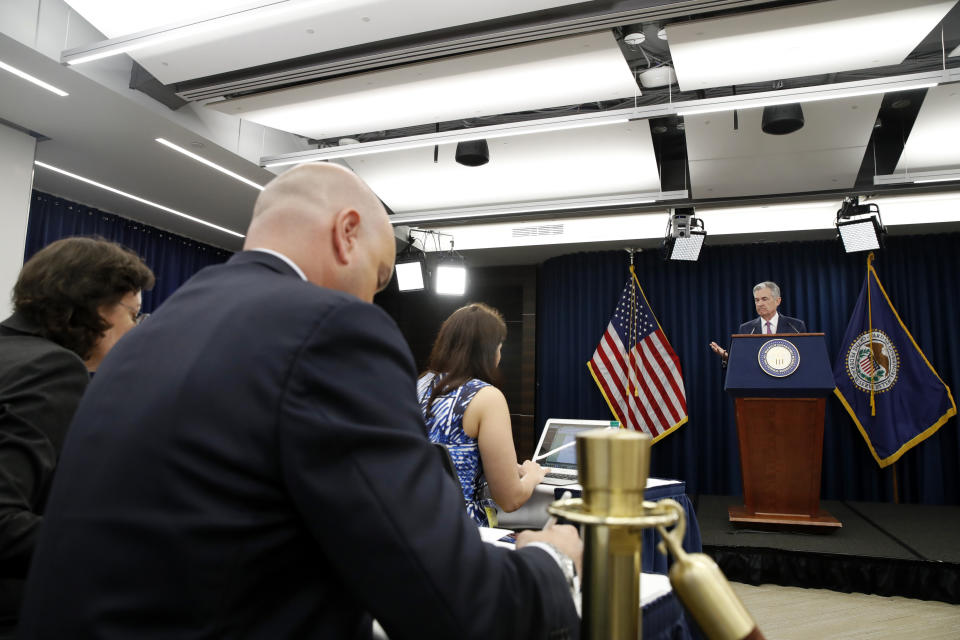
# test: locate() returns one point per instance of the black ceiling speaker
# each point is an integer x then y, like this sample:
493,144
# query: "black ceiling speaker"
782,119
473,153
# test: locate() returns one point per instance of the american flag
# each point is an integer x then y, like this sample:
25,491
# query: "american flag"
636,368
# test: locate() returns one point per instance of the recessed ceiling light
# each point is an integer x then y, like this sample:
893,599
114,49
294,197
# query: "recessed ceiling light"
29,78
136,198
212,165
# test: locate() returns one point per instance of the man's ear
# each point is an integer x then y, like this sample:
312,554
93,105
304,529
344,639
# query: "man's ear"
346,230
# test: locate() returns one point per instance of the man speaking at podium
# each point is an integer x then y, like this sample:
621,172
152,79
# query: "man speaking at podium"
766,297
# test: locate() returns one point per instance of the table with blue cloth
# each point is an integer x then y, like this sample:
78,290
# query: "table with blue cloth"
533,515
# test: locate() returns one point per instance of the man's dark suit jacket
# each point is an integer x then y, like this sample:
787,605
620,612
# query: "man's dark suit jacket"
785,325
251,462
40,386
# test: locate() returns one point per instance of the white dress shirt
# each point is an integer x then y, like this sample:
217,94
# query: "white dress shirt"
293,265
774,321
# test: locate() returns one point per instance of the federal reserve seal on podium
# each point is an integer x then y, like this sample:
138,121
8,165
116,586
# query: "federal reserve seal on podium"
778,358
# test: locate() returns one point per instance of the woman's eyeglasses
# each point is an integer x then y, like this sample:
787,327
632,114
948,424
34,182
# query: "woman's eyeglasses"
135,314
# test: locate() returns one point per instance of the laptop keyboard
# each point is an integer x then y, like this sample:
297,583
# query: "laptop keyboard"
562,476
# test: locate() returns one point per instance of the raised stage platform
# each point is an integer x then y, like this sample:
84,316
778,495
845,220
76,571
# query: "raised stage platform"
887,549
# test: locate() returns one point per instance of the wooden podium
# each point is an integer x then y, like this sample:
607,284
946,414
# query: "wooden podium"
780,383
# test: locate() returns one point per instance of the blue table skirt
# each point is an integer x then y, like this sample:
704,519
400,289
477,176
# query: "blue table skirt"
665,619
652,560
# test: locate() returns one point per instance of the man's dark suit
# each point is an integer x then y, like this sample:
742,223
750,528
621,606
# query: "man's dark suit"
40,386
786,324
251,462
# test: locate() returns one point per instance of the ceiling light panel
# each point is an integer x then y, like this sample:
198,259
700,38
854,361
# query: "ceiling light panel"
135,198
592,162
23,75
555,231
825,154
800,40
282,29
934,141
723,221
212,165
563,71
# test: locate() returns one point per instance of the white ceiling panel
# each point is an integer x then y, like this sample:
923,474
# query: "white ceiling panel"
934,141
595,161
279,30
778,173
800,40
558,72
101,135
114,18
825,154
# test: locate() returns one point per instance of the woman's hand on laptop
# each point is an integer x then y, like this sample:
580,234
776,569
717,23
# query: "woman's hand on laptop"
534,470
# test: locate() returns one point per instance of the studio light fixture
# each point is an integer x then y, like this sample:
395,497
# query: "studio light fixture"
450,275
472,153
136,198
684,237
411,268
212,165
35,80
859,226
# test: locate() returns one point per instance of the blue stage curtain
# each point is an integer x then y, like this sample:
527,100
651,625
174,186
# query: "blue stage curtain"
173,259
707,300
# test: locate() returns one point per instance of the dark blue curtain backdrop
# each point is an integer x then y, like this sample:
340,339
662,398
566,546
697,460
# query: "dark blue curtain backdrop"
704,301
172,258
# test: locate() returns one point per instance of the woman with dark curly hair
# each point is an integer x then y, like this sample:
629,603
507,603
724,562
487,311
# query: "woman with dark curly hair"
72,301
464,411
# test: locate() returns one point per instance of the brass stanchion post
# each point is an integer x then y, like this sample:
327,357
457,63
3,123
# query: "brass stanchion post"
613,466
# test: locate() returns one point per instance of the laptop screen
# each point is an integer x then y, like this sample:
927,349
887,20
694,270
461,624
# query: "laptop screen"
557,433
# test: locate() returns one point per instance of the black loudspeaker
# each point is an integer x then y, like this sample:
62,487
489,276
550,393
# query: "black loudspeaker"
782,119
473,153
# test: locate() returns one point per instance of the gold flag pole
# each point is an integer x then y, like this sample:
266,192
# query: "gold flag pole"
632,340
873,362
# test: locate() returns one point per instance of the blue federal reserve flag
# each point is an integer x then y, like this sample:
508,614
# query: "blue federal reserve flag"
887,385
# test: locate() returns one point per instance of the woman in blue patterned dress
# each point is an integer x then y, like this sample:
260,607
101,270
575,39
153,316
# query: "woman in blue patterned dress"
465,412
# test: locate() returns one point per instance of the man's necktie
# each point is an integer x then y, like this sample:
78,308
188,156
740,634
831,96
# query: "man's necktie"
768,327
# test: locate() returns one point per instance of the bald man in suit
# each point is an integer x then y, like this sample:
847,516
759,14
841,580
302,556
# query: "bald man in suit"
253,463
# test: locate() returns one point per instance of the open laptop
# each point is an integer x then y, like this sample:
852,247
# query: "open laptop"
563,463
